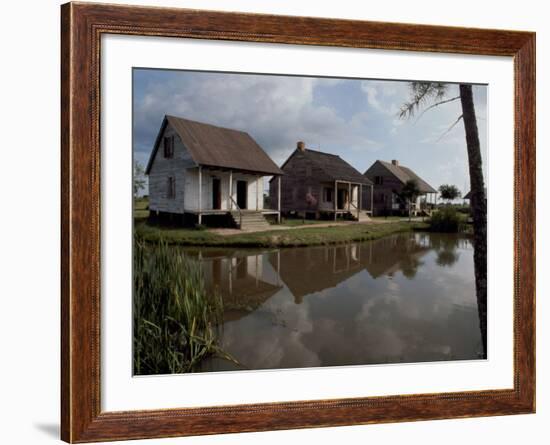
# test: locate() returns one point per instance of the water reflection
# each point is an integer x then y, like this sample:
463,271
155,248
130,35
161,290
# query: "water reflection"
405,298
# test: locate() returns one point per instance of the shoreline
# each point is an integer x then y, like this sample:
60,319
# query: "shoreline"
295,237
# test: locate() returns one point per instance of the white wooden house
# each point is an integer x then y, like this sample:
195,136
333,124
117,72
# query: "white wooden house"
201,169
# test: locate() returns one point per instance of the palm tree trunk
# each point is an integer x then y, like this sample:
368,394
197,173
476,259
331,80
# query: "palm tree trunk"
478,204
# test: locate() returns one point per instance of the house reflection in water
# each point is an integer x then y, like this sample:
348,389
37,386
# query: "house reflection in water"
247,278
310,270
244,280
404,298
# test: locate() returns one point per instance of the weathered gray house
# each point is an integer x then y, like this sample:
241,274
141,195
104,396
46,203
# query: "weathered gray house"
197,169
318,184
388,179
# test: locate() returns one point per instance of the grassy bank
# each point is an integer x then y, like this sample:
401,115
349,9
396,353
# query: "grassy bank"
275,238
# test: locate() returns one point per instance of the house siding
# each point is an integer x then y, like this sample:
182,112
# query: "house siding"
302,178
384,200
162,168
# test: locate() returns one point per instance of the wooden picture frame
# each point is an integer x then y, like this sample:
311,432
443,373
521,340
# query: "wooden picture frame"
82,26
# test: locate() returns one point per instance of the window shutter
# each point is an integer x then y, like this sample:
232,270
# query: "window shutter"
171,187
169,146
328,194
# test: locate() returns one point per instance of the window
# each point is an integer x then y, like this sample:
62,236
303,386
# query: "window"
171,188
327,194
378,180
169,146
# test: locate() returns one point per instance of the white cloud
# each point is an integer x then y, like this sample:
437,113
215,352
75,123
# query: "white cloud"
357,120
372,94
276,111
385,97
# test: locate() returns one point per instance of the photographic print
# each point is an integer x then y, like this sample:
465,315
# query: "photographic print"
288,217
291,221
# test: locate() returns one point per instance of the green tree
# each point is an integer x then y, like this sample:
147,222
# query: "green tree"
409,193
427,96
139,178
449,192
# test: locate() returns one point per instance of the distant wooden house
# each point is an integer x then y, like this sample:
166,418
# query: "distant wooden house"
198,169
389,179
318,184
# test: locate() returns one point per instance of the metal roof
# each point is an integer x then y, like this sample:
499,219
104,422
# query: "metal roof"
405,174
333,166
220,147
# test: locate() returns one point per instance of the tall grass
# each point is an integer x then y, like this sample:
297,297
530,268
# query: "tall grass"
176,323
447,219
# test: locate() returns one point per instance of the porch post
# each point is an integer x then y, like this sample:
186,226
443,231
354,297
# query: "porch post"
200,194
258,193
371,199
230,203
349,197
279,198
335,198
359,193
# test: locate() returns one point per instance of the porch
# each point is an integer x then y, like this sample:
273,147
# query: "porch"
423,205
219,191
346,199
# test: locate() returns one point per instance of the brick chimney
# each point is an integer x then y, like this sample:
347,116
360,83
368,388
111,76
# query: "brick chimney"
301,146
395,162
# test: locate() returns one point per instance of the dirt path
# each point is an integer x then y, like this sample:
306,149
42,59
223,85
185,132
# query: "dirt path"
226,232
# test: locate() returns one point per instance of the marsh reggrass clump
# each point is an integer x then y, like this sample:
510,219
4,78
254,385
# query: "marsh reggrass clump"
176,321
448,220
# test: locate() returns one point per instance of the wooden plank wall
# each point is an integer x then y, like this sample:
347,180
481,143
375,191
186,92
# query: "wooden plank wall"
382,193
162,168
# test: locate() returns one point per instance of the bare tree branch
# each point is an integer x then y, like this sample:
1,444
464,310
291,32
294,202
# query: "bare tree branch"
407,109
450,128
436,105
421,92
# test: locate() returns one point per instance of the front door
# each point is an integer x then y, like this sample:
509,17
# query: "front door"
216,194
342,199
242,187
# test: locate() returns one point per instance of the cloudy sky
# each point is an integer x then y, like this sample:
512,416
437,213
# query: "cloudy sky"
354,118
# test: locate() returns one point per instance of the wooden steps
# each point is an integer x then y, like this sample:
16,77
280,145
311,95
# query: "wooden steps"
253,221
363,217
